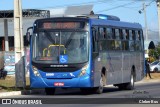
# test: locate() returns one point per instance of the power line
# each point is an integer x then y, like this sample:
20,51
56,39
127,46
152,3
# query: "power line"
116,7
77,4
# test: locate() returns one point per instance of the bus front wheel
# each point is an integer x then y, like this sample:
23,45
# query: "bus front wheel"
99,90
50,91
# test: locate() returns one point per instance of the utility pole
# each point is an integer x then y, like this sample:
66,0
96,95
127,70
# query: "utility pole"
19,45
18,37
146,26
158,6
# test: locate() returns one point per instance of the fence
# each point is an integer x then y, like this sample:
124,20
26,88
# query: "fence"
7,61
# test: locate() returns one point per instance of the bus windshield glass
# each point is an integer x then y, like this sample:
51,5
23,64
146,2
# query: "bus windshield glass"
60,47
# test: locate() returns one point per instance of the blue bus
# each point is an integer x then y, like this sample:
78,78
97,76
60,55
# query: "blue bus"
87,52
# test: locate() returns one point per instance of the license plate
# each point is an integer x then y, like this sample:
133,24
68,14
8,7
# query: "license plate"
58,84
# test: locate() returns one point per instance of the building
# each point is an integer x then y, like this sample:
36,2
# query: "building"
7,25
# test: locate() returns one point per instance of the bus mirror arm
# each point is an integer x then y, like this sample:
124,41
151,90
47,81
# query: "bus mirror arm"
28,35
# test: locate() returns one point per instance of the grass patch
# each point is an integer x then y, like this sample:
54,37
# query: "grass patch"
8,84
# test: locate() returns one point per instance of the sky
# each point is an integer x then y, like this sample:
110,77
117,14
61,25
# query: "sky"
126,10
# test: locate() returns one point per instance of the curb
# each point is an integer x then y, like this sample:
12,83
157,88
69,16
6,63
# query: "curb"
148,81
5,94
23,92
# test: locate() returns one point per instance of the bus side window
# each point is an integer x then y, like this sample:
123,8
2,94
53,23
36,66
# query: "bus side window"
127,34
130,35
131,41
124,34
101,33
121,34
117,34
137,35
125,45
109,33
141,39
104,33
133,35
118,45
113,33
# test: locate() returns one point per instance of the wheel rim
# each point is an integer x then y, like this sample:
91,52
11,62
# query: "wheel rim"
132,80
101,84
156,69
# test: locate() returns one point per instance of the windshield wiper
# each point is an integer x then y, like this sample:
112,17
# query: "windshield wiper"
49,37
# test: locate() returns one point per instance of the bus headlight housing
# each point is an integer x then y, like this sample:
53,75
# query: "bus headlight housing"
35,71
83,70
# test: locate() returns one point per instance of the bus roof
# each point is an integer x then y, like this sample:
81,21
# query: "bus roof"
115,23
99,22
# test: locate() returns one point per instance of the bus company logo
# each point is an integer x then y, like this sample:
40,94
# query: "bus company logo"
6,101
49,74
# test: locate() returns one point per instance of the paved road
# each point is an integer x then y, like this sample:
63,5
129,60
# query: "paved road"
143,90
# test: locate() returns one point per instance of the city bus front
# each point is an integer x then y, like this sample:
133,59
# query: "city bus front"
60,53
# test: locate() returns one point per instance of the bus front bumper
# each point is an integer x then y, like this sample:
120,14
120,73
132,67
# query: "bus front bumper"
38,82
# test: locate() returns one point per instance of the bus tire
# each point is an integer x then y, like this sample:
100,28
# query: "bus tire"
50,91
99,90
130,85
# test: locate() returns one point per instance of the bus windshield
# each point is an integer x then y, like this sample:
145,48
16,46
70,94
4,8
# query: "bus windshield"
60,47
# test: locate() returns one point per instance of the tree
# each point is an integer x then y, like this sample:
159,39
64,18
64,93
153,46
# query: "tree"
154,53
151,45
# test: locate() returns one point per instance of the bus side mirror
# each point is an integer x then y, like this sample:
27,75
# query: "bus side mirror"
28,36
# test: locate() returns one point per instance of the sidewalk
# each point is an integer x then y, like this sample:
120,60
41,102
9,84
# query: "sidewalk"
3,93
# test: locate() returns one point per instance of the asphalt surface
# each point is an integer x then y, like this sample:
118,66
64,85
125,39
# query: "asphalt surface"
73,97
146,89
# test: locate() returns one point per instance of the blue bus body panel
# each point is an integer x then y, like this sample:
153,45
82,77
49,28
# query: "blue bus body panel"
70,79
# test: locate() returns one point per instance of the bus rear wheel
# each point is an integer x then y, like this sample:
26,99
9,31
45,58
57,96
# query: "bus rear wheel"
50,91
128,86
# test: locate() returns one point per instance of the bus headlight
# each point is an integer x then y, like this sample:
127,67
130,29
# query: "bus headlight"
83,70
35,71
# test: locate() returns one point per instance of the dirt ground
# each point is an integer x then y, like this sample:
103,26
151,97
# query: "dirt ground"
155,76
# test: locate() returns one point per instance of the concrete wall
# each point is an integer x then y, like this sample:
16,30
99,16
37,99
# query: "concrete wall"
26,23
1,60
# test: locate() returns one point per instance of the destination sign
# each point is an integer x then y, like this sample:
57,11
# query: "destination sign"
62,25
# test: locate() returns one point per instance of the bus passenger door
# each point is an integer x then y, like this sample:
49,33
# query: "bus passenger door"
96,66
